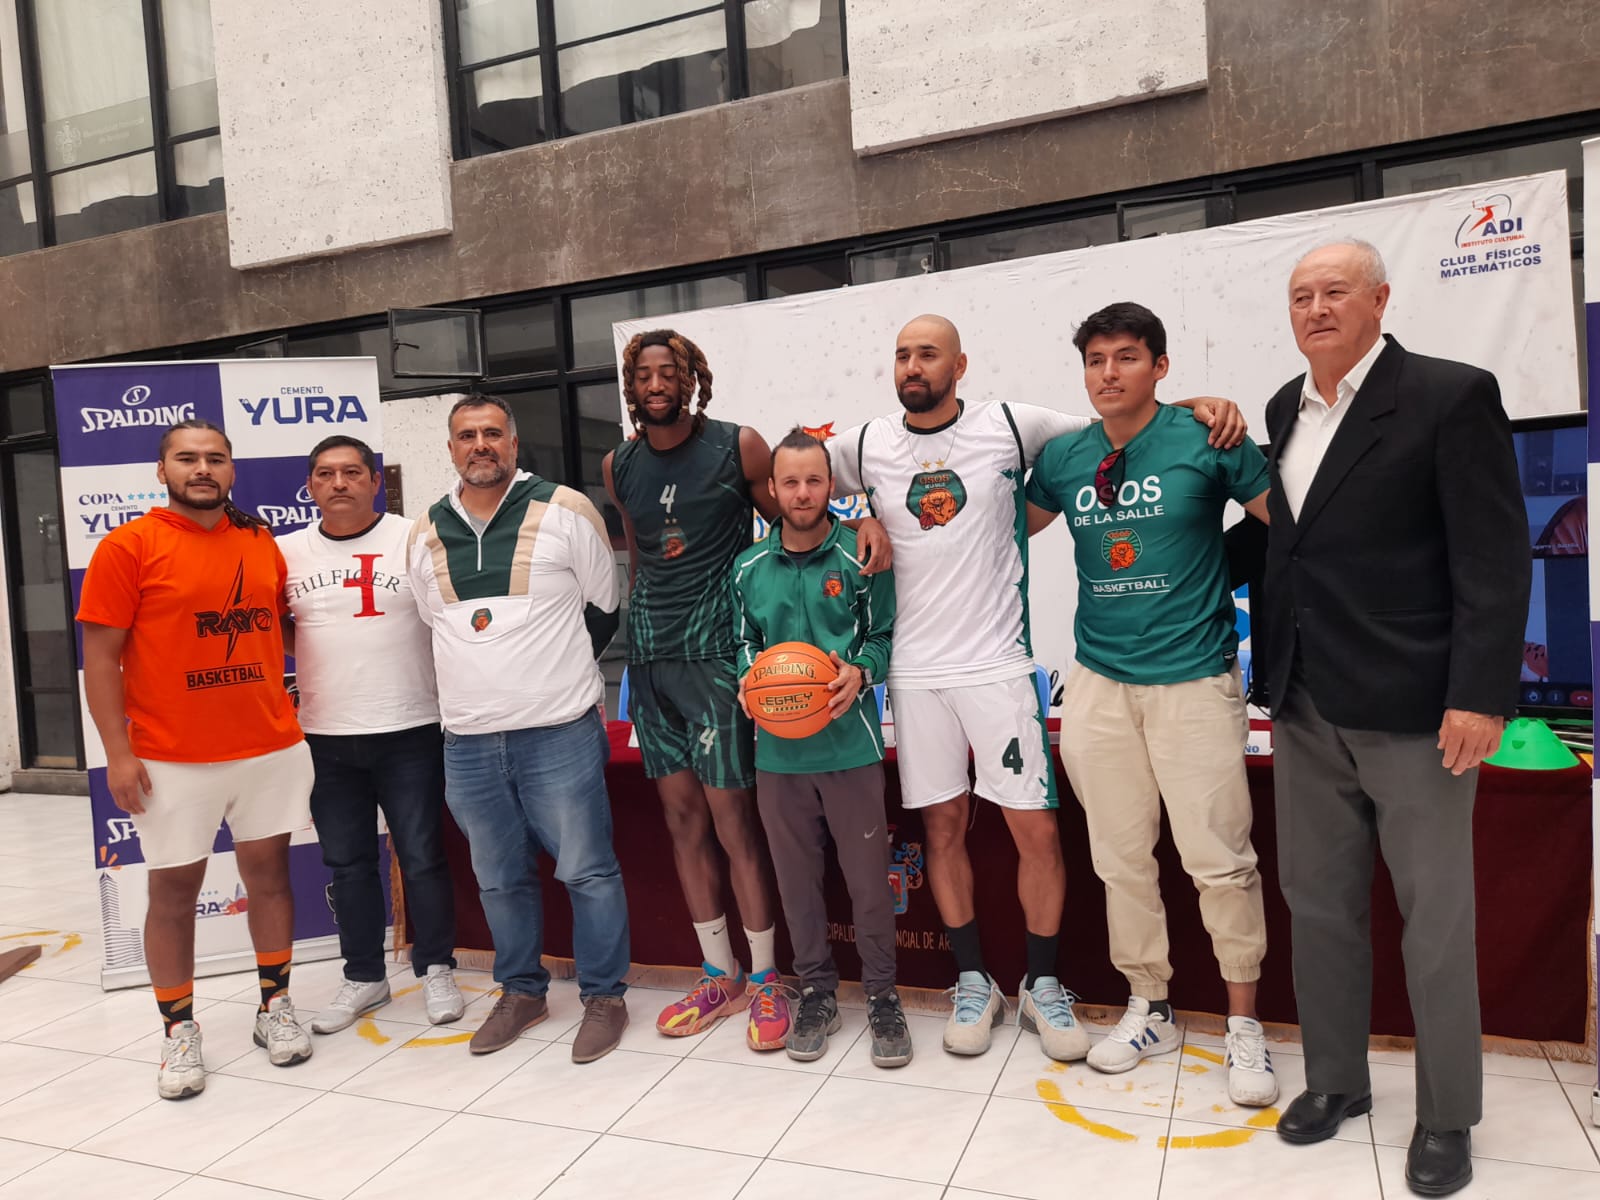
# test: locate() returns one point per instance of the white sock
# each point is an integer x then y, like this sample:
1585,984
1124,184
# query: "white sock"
715,947
761,956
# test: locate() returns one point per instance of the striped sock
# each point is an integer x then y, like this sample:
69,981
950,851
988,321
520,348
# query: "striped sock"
176,1004
273,967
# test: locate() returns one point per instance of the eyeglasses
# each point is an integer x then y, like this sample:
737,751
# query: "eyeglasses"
1108,478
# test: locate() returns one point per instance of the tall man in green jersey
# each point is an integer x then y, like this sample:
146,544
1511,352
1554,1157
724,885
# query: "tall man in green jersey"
803,583
685,487
1153,710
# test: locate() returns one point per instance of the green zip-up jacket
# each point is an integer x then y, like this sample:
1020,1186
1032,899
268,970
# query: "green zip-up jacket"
822,599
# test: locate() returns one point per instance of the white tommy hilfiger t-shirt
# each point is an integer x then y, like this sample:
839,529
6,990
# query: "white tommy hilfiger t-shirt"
363,657
952,501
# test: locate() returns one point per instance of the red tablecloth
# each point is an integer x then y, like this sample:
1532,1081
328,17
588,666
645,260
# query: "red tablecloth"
1532,835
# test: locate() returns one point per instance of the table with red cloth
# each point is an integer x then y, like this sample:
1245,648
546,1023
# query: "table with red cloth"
1532,864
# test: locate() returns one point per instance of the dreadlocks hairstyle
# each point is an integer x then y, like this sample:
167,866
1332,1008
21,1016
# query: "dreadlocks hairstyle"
692,372
236,515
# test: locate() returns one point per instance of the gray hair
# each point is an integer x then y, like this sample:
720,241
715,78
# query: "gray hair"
480,400
1368,259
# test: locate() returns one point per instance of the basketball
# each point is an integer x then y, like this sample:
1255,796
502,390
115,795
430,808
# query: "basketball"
788,689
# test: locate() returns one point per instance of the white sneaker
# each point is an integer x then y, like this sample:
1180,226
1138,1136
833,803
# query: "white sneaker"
441,995
182,1073
979,1007
1251,1081
1138,1035
1046,1009
355,999
280,1034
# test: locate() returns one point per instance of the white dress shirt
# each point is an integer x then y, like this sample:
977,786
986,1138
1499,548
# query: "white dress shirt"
1315,426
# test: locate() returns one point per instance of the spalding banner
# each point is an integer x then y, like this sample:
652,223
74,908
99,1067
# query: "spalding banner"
110,419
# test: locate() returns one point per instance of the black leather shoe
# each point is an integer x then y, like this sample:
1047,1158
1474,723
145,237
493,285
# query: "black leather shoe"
1439,1163
1316,1116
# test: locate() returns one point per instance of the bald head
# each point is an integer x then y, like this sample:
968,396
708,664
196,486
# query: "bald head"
1360,260
930,327
928,364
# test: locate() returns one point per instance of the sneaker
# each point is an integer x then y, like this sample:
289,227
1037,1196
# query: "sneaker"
817,1018
279,1033
1251,1081
182,1073
714,997
1139,1034
1046,1009
354,1000
442,997
604,1019
978,1008
886,1026
512,1013
769,1011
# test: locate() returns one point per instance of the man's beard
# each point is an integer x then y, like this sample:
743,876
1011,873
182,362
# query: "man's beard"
671,417
921,401
204,501
807,520
485,472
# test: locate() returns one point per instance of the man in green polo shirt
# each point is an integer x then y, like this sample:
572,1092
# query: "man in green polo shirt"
803,583
1154,709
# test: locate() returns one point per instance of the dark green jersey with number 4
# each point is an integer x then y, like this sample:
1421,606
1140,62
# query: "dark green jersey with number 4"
691,513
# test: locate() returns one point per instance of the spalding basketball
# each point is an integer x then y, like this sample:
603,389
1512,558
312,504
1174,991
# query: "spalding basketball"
788,689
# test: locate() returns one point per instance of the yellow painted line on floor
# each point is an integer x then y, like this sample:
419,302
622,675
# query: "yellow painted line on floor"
454,1039
1211,1056
72,942
405,991
13,937
1223,1139
370,1032
1051,1094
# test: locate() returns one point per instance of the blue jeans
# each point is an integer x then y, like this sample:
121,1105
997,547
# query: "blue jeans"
403,774
515,792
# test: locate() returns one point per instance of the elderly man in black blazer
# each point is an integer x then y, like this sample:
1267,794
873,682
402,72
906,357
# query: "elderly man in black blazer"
1397,593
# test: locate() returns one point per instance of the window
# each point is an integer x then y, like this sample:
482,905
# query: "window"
525,71
1050,238
592,315
795,279
108,118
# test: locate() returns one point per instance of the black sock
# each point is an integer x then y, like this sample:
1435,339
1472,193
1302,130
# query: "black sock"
964,945
1041,956
1163,1007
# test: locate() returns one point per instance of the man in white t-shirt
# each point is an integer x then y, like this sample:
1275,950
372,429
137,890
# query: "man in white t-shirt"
946,480
370,711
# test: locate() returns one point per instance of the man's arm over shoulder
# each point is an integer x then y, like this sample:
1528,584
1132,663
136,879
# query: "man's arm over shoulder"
876,610
1486,535
844,449
749,638
1038,426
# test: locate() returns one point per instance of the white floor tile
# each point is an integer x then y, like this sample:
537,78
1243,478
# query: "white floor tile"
1524,1120
335,1144
1033,1150
614,1165
198,1187
26,1004
225,987
728,1043
74,1176
883,1129
794,1181
507,1160
119,1018
1581,1097
931,1065
226,1032
80,1104
1573,1072
23,1068
17,1157
1208,1163
192,1134
1203,1087
1148,1090
334,1058
768,1103
435,1069
551,1089
1493,1179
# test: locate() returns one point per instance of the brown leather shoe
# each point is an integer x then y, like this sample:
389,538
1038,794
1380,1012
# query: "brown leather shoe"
512,1013
604,1019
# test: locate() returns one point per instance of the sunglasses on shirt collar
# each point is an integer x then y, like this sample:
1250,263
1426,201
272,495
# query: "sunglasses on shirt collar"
1108,478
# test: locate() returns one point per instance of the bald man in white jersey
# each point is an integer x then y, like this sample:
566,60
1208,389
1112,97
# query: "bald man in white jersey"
946,479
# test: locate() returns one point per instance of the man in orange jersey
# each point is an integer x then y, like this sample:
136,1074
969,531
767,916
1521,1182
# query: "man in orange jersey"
183,668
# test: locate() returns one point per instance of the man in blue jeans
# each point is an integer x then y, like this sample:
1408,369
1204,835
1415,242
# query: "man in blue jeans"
375,746
515,577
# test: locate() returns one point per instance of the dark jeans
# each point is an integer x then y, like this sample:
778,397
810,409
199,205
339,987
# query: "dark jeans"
403,774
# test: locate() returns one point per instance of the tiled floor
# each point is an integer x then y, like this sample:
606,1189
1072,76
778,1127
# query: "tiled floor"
397,1108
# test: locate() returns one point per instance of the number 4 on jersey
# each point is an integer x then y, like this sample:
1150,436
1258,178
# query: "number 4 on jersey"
669,494
1012,758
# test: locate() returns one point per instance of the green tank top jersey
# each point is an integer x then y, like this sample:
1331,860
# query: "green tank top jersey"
691,513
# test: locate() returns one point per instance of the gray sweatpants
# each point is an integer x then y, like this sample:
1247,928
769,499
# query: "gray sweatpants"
799,813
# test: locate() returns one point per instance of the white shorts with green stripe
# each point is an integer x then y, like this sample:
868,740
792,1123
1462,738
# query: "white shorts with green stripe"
1005,730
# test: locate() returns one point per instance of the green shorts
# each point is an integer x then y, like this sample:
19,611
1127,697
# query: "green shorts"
688,718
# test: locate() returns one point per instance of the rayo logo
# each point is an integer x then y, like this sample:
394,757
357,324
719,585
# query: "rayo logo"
133,415
303,406
220,904
1490,221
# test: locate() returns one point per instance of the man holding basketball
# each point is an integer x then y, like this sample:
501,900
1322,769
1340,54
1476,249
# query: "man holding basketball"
946,479
803,583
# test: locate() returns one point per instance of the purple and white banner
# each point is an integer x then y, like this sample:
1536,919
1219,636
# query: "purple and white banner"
110,418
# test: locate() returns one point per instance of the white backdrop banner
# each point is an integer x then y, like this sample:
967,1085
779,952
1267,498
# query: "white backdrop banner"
1482,274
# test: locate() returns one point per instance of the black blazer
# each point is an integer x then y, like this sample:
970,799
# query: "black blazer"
1403,587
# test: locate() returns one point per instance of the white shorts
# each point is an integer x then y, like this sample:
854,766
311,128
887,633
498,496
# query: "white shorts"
259,797
1002,724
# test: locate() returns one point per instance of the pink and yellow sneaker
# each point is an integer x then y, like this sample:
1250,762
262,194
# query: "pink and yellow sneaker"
714,997
769,1011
